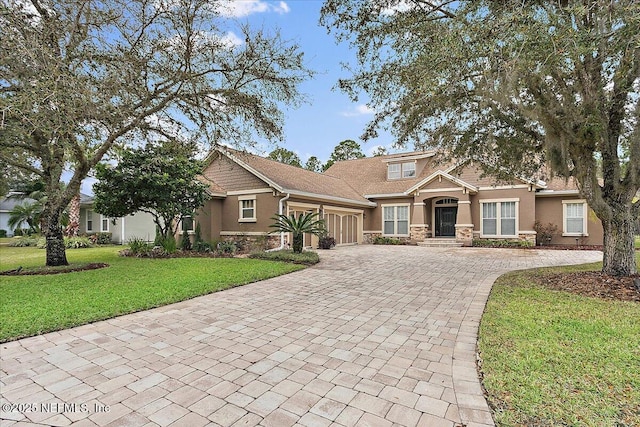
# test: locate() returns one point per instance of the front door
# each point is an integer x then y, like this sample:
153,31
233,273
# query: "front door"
446,222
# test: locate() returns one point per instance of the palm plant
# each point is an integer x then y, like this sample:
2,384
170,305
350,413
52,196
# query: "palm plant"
28,213
304,223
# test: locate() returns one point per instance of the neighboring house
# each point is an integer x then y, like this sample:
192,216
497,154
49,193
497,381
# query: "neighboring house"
139,225
408,196
6,206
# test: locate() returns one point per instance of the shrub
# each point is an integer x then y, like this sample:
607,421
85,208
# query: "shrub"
101,238
287,255
185,241
544,232
326,242
21,241
168,244
203,247
501,243
19,232
138,245
227,248
3,233
77,242
381,240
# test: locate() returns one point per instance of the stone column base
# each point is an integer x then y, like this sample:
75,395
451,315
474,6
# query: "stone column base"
418,232
464,234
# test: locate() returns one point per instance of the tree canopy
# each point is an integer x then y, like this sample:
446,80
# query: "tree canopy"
158,179
81,77
313,164
345,150
285,156
517,86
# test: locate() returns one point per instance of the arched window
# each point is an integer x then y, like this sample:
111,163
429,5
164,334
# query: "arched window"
447,202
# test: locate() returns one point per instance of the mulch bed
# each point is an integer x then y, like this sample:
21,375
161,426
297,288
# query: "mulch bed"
594,284
41,271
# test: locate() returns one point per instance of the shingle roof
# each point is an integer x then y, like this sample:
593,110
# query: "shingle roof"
297,179
369,175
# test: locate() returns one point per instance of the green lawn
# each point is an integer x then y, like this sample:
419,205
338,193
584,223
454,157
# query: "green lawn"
31,305
554,358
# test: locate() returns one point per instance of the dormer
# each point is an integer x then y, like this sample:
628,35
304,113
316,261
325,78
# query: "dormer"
406,166
401,170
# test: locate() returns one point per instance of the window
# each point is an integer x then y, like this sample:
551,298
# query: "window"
104,224
89,221
401,170
394,171
408,170
247,208
499,219
187,224
395,220
574,218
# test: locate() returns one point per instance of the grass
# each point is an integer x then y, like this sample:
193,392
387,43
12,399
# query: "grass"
554,358
32,305
637,242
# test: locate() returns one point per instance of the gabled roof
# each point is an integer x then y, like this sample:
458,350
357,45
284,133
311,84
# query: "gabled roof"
444,175
369,174
297,181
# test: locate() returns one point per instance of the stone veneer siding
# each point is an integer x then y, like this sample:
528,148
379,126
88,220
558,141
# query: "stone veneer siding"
464,235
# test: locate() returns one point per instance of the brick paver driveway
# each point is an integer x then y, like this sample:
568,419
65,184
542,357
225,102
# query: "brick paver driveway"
371,336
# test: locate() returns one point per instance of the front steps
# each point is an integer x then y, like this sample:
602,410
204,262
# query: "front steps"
440,242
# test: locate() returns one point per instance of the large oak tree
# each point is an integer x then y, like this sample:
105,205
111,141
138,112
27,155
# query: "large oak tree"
80,77
513,85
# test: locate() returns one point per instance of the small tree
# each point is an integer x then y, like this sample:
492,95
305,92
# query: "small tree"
313,164
157,179
544,233
305,223
345,150
285,156
185,243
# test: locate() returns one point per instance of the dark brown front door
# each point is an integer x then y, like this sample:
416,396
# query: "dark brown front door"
446,222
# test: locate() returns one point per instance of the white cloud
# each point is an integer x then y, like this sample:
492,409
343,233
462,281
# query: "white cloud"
241,8
360,110
281,8
231,40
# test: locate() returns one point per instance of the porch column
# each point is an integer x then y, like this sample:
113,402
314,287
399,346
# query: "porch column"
464,223
417,228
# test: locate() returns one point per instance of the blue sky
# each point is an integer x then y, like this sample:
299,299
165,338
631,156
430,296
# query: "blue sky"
330,116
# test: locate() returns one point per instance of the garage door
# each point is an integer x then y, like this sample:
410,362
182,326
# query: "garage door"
342,226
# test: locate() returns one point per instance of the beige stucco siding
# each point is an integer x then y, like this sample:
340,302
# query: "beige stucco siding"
231,176
526,205
550,210
266,206
374,220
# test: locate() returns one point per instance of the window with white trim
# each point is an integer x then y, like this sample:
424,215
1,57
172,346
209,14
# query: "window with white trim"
247,208
408,170
401,170
574,218
104,224
89,221
393,171
499,219
395,220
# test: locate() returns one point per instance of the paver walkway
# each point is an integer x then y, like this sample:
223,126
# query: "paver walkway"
372,336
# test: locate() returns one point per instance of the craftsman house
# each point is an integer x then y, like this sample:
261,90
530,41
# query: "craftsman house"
408,196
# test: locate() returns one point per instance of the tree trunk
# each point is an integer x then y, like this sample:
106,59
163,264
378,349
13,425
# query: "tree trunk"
74,217
298,242
619,255
56,252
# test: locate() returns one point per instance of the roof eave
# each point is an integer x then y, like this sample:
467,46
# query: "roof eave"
368,204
